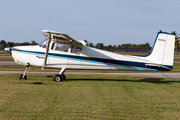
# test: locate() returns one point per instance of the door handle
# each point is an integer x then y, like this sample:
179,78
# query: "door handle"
40,57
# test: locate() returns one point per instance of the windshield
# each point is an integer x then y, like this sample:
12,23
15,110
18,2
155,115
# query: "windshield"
43,43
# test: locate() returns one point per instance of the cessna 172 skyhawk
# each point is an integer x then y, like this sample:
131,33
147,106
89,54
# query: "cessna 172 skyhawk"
60,51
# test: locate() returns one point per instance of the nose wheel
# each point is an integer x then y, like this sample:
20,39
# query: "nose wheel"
23,77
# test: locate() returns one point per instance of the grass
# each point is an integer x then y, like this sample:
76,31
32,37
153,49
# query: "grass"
5,54
6,59
89,97
176,67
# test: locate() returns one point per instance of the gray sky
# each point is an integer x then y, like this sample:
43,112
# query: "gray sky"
107,21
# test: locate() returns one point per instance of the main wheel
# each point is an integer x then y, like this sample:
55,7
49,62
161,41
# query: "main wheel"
63,77
57,78
21,77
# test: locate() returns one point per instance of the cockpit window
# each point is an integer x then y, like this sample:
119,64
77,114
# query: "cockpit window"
55,46
62,47
43,43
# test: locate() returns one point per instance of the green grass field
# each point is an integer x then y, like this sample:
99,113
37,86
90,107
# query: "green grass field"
88,97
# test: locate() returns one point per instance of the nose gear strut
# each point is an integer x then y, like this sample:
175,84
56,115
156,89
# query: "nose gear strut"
23,76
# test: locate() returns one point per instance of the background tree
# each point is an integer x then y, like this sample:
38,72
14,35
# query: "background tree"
10,44
110,47
99,45
177,38
3,44
91,44
34,42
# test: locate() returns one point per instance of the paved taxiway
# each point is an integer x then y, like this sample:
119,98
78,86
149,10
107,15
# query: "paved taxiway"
7,63
154,75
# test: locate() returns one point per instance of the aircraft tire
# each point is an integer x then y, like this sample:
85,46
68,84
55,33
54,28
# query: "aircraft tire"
57,78
21,77
63,77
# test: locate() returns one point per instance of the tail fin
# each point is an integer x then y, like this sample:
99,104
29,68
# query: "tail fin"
162,53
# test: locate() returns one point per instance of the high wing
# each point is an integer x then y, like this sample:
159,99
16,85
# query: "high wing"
61,38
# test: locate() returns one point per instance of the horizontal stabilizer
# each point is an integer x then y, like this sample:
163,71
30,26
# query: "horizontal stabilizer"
158,67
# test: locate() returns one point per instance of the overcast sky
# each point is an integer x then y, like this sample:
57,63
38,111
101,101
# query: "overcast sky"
98,21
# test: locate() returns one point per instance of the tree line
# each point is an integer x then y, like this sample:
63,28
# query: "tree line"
4,44
128,45
133,46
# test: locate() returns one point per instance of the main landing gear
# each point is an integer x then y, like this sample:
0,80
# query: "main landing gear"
60,77
23,76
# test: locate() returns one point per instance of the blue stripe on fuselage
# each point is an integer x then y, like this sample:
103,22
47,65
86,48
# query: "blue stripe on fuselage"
118,63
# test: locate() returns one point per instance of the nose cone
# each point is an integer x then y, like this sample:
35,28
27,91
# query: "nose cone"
21,54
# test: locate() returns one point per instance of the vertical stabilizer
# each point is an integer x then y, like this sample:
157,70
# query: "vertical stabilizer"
163,50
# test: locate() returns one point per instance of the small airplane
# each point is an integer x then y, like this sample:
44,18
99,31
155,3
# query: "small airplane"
60,51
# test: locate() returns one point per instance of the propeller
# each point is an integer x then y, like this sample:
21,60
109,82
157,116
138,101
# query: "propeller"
8,49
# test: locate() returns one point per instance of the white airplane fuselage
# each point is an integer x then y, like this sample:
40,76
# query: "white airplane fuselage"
87,58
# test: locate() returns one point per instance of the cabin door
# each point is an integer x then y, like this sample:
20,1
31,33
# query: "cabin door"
74,60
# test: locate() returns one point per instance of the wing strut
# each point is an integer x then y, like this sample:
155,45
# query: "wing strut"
47,48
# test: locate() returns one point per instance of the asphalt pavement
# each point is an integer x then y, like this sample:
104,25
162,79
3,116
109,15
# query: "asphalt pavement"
7,63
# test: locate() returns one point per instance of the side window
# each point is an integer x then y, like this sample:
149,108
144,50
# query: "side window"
42,43
62,47
45,44
75,49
